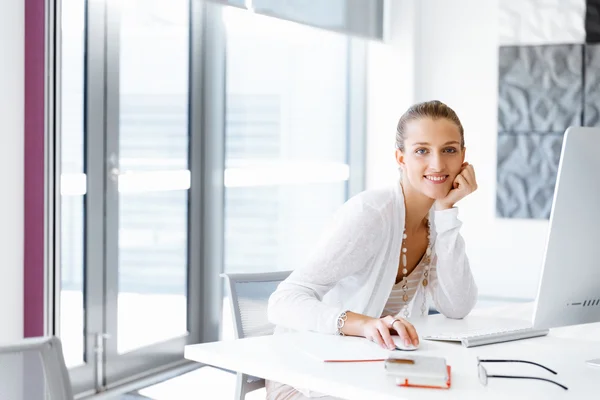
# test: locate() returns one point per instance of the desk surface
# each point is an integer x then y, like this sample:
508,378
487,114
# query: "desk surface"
565,350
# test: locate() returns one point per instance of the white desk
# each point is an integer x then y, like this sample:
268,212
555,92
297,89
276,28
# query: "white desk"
272,357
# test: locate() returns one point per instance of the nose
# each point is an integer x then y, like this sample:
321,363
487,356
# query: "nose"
437,162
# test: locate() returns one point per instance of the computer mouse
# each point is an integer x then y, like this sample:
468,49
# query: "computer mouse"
400,345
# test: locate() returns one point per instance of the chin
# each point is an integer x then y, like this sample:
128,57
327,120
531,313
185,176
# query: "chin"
434,196
435,193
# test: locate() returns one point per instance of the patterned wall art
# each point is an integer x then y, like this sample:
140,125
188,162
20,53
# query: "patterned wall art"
548,80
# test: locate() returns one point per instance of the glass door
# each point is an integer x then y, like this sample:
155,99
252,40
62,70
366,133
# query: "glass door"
147,185
126,215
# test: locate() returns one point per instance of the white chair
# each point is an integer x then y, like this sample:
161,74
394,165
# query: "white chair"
34,369
248,297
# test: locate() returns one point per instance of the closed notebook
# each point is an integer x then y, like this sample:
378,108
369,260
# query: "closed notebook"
419,371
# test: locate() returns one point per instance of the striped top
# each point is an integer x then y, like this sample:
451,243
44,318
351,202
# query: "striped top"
395,304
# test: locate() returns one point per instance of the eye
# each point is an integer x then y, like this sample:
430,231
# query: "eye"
421,151
450,150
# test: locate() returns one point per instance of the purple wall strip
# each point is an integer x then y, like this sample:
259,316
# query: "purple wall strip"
33,279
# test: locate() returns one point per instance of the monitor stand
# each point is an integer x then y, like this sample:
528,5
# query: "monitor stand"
594,363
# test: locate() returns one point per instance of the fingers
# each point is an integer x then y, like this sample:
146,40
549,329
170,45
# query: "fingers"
402,325
385,335
382,336
376,337
379,332
403,333
472,174
411,331
460,182
469,174
464,166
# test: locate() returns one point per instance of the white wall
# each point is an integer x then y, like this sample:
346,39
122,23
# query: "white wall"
11,165
448,50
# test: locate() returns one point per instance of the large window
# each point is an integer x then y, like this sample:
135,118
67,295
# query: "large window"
153,172
195,138
286,139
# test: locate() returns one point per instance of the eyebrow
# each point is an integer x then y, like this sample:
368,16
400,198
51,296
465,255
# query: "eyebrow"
428,144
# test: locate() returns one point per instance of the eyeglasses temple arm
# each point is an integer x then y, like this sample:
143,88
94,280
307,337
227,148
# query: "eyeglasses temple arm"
521,361
528,377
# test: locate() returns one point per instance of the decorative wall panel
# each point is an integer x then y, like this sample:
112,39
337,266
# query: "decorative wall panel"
549,80
591,110
527,166
540,88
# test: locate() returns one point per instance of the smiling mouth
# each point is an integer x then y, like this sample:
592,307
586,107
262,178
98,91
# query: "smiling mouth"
436,178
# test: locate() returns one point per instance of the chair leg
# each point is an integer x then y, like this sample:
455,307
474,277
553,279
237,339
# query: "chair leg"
240,390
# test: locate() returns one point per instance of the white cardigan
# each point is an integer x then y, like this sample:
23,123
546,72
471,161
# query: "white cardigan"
355,263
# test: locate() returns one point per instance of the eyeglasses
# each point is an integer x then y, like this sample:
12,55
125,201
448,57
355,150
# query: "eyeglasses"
483,375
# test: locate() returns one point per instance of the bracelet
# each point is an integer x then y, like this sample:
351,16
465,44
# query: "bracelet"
341,321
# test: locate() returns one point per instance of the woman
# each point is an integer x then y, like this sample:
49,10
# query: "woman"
386,249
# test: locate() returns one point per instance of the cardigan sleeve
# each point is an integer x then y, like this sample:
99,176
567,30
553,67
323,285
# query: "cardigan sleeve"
453,288
345,248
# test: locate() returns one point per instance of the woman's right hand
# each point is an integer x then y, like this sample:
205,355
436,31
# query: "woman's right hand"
380,330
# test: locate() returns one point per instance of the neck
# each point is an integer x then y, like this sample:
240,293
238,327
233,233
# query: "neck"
417,207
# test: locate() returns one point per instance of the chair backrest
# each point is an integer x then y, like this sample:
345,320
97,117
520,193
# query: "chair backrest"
34,369
249,296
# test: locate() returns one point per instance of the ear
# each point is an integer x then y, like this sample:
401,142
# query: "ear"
464,152
400,158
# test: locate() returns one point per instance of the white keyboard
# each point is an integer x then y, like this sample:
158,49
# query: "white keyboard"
482,337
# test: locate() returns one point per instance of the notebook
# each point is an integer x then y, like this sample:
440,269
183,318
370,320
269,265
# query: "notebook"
426,383
419,371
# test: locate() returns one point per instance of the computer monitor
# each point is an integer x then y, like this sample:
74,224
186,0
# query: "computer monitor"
569,287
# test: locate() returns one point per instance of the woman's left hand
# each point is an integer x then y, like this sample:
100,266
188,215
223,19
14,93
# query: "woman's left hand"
464,184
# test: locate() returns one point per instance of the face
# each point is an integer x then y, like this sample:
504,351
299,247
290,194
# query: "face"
432,156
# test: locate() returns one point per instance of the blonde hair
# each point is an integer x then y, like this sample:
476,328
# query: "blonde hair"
434,109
